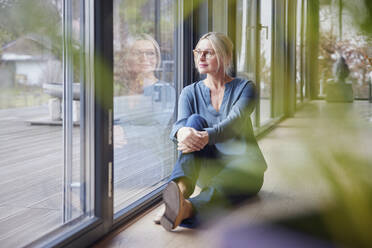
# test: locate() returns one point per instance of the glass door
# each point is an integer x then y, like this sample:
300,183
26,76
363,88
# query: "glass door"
45,172
264,60
305,84
245,42
144,98
254,53
76,120
299,52
246,23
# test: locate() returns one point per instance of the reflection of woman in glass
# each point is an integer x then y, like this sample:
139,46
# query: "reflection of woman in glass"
137,81
144,105
141,60
215,138
137,77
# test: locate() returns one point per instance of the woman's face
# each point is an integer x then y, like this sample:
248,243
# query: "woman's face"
142,57
206,57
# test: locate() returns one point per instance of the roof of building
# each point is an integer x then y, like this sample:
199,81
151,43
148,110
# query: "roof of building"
27,47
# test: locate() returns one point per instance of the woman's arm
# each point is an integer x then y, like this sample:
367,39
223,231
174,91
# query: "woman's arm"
187,138
185,109
239,113
191,140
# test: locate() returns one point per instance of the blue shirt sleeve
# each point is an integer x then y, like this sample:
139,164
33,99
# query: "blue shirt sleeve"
240,111
185,109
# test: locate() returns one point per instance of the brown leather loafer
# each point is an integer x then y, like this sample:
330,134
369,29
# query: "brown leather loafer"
174,207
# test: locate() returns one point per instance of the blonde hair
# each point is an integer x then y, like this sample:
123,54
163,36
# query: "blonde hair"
223,48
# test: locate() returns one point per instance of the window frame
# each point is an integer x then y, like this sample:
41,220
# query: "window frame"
85,230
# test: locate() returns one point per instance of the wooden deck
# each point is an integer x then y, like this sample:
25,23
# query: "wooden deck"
31,172
31,176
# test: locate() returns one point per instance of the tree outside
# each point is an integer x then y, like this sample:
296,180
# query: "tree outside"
344,36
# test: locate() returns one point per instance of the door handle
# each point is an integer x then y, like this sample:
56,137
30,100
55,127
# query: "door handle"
260,26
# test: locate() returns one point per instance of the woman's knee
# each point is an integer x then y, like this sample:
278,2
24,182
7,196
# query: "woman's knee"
196,121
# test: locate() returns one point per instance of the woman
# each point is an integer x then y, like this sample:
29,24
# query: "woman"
215,138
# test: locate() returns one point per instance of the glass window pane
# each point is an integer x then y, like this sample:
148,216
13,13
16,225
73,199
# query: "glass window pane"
245,41
33,151
220,16
299,72
305,84
265,61
77,183
341,36
145,96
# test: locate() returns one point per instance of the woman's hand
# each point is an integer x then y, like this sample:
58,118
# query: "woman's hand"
190,140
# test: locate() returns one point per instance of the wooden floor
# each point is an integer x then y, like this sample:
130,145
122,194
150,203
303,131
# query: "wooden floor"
292,186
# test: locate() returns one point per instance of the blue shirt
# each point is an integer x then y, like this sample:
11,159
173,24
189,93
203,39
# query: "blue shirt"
155,107
224,126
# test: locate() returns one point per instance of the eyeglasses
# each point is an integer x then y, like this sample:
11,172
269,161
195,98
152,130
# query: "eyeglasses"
139,53
208,53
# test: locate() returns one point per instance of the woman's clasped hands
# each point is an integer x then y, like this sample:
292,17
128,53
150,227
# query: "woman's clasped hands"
191,140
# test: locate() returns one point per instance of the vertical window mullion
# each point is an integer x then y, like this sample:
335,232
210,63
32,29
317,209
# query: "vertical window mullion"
67,107
103,91
258,61
89,100
83,166
301,51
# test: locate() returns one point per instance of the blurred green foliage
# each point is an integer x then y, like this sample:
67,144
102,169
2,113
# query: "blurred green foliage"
362,14
137,17
42,19
5,37
338,172
23,17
